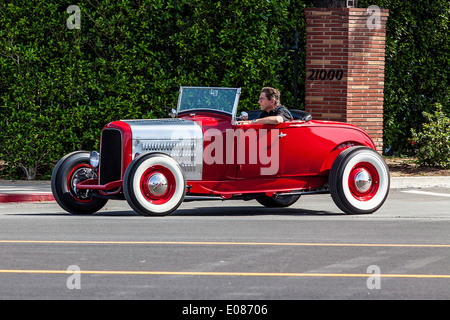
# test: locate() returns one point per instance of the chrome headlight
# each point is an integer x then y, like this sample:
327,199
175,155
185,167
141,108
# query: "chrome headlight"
94,159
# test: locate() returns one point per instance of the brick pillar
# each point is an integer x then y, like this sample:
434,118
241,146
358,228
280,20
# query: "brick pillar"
345,49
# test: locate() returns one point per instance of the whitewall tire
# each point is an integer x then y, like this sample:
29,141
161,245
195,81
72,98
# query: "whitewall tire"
359,180
154,184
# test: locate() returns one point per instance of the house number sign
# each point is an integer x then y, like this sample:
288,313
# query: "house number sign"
324,74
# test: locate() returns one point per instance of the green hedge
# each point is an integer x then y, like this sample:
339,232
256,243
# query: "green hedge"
432,143
60,86
417,66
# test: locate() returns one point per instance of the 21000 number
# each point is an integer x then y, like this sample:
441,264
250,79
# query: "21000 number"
323,74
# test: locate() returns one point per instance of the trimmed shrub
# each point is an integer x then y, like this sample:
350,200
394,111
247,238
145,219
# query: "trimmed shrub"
59,86
417,73
432,142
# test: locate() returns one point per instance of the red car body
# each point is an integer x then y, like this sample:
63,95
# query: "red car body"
307,152
273,164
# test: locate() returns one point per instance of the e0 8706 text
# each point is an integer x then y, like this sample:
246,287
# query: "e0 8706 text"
243,309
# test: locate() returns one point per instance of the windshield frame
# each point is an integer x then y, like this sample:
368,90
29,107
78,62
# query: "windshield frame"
232,114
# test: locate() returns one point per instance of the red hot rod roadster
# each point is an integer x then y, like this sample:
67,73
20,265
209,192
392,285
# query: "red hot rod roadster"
204,152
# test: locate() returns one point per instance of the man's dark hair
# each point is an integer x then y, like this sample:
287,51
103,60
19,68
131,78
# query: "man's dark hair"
272,93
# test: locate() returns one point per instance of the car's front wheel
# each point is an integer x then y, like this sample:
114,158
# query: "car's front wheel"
154,184
68,172
359,180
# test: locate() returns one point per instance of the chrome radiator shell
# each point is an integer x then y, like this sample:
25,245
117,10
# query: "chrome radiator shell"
181,139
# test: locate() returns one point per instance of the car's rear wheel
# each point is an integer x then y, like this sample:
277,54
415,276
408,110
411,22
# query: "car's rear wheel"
68,172
154,184
277,202
359,180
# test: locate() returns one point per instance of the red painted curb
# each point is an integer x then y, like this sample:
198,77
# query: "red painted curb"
29,197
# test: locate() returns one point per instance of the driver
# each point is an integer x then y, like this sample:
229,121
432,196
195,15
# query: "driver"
272,111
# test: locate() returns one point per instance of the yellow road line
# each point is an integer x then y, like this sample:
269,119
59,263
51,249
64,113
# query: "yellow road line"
248,274
226,243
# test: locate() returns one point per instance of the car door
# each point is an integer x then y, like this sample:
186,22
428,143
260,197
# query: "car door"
306,147
258,150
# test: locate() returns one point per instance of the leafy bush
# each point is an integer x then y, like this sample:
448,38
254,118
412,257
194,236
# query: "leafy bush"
60,86
417,73
432,143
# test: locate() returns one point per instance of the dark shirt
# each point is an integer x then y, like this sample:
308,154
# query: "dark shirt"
278,111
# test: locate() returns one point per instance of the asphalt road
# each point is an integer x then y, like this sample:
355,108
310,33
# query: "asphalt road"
232,250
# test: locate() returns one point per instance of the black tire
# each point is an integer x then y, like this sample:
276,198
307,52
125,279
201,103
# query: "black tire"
143,196
278,202
359,180
68,171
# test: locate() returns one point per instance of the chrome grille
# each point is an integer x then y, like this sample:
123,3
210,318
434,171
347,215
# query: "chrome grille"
187,153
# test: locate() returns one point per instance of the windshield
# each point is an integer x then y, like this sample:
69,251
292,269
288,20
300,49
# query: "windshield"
217,99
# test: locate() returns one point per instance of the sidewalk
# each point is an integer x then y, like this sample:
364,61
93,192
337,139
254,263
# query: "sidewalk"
36,191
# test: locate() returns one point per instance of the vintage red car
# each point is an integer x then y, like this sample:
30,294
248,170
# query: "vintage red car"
204,153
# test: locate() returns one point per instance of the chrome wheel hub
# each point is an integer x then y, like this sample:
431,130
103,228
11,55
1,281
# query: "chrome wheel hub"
78,176
157,184
363,181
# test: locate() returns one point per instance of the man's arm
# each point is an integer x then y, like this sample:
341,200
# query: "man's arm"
267,120
270,120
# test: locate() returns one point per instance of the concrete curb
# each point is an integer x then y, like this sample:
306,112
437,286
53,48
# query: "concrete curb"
420,182
39,191
32,197
25,191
